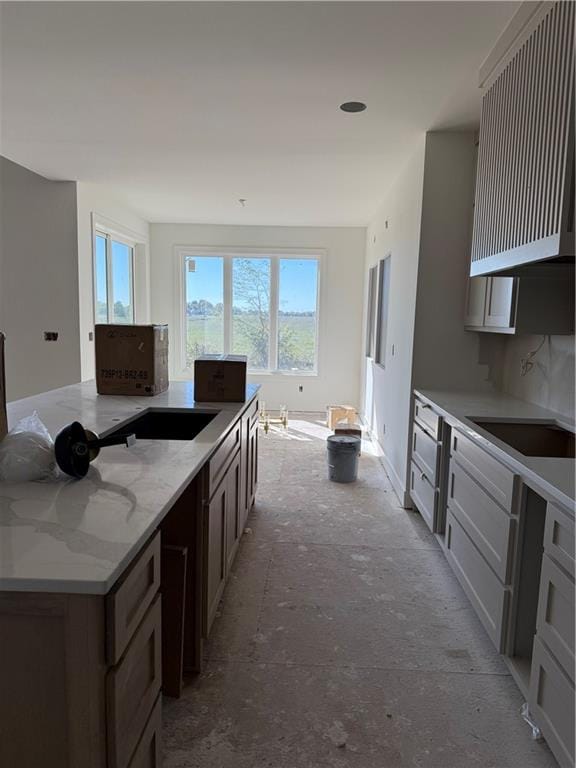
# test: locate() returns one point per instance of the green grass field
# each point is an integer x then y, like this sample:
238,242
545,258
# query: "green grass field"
296,342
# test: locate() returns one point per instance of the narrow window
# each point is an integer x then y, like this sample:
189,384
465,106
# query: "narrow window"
204,310
382,316
251,311
371,312
113,280
297,314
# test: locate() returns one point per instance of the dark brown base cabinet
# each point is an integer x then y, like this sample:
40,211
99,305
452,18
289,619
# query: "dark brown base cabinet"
82,676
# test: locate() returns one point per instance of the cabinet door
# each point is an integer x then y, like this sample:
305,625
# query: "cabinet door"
244,470
233,511
214,554
476,302
252,464
500,302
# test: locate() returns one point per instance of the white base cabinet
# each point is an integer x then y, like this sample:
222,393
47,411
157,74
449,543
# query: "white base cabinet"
513,554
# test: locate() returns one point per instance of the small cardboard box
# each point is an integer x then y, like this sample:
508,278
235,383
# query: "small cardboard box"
131,359
3,416
220,379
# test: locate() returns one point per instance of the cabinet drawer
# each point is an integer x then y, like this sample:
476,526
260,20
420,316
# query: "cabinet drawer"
149,750
423,495
556,613
559,537
127,603
495,478
489,527
428,417
551,702
425,453
222,458
486,593
132,688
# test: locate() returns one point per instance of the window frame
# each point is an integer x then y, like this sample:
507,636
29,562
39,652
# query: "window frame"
228,254
384,278
371,309
99,230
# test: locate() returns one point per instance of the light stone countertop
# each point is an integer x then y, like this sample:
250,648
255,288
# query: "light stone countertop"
78,536
551,477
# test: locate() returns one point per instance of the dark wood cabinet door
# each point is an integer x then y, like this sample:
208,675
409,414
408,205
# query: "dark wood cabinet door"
215,554
252,464
244,471
233,510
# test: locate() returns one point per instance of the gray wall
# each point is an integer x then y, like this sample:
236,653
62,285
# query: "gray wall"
445,355
38,280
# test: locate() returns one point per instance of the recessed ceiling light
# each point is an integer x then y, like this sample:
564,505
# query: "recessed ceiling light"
353,106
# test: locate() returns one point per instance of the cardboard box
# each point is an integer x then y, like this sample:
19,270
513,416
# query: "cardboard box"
3,416
220,379
131,359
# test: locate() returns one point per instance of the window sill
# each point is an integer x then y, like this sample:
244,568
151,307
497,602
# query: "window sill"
281,374
189,375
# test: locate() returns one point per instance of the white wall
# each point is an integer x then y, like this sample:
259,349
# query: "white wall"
38,281
428,213
396,232
341,286
100,202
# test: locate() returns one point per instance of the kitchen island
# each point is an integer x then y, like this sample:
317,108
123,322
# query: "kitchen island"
103,579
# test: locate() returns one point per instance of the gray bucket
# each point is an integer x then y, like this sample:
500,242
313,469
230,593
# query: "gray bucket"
343,452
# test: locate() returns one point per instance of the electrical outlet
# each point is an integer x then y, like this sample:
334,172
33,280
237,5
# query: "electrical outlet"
300,388
90,336
50,335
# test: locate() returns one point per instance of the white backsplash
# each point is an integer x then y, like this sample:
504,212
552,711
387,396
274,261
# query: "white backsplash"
550,382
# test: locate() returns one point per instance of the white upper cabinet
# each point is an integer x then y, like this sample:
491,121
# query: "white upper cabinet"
500,304
525,178
528,304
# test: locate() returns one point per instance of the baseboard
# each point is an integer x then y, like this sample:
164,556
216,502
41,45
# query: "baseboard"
397,484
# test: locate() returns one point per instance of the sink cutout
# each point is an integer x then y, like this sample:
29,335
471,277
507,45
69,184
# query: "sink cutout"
532,438
164,424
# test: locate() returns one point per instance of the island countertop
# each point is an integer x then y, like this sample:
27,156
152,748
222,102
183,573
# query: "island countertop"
553,477
78,536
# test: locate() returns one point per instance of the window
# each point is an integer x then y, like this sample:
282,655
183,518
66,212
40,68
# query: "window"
113,280
297,310
382,316
259,305
371,312
204,311
251,311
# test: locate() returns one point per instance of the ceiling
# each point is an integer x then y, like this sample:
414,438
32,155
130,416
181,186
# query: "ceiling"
183,108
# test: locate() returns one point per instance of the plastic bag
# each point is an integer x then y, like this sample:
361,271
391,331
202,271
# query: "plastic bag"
527,717
27,452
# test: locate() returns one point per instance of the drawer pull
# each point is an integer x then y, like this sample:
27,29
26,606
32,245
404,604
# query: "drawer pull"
425,405
423,477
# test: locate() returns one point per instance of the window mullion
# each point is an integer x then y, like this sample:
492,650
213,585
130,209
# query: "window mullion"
227,305
274,289
109,283
132,288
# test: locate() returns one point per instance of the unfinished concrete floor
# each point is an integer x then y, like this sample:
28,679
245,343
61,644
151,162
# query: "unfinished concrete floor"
343,638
